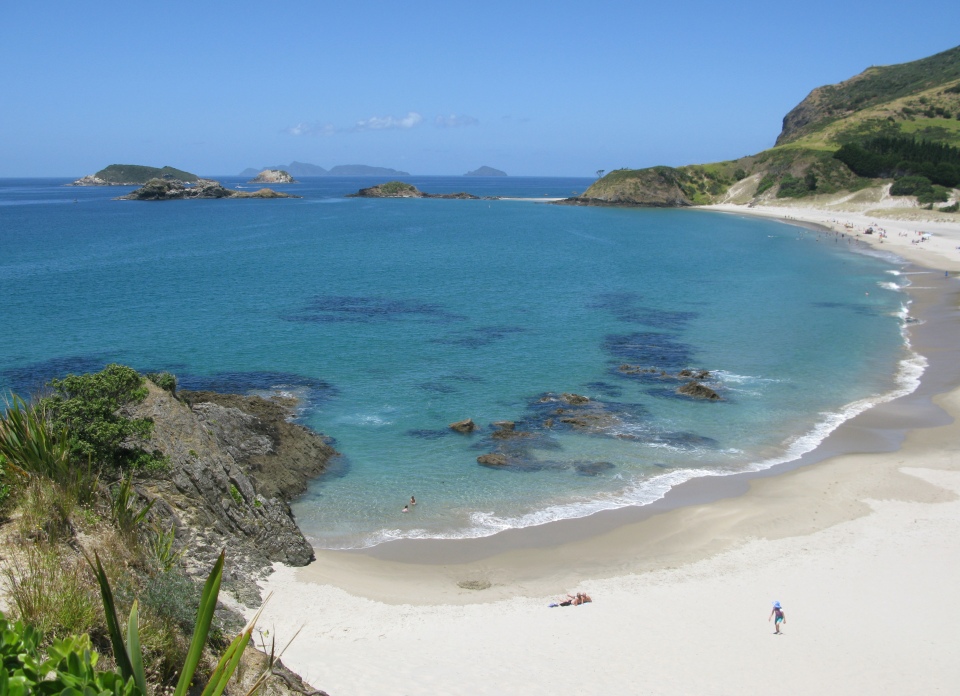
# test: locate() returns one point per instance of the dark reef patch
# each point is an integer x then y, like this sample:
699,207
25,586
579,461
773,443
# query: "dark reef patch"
428,434
649,348
478,337
30,379
625,307
315,391
363,310
437,388
604,389
855,307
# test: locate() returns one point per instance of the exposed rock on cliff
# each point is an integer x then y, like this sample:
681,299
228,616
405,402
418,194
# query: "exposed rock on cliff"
234,463
174,189
272,176
400,189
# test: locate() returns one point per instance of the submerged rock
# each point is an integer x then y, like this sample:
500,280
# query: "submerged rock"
492,459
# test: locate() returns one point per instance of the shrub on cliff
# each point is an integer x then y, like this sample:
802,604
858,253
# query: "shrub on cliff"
90,407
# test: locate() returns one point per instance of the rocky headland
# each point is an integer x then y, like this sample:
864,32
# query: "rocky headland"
174,189
273,176
234,464
400,189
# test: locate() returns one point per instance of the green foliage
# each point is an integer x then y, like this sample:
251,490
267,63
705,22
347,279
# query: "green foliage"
88,407
739,174
767,182
50,592
935,194
796,187
164,380
140,174
236,495
900,156
161,545
127,653
953,208
125,508
395,187
172,595
910,186
30,445
68,667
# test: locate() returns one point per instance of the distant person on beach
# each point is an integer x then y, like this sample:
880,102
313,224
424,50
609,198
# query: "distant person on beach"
413,501
405,509
778,616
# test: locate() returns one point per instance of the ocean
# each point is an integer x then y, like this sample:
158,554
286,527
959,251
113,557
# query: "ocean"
391,319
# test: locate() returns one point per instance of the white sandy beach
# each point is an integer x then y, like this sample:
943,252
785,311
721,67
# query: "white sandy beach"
863,550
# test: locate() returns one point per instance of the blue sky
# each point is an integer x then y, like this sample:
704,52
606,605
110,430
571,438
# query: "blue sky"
533,88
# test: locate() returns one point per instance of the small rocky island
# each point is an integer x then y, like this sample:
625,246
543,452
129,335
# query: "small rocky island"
273,176
486,171
400,189
132,175
174,189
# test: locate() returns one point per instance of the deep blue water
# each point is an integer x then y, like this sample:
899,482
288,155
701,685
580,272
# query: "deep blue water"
393,318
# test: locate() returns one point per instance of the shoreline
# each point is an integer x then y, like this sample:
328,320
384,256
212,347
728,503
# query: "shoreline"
703,545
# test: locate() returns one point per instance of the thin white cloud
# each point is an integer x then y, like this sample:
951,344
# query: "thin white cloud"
455,121
411,120
311,129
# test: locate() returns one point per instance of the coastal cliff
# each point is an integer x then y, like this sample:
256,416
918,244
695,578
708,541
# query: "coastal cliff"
234,463
657,187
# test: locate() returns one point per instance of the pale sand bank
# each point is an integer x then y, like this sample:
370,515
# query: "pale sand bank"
862,549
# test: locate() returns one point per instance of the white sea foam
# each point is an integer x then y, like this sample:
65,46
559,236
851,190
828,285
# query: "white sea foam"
886,285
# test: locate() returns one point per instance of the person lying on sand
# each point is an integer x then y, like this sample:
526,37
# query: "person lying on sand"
573,600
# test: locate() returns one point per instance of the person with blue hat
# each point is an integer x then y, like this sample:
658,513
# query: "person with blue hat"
778,616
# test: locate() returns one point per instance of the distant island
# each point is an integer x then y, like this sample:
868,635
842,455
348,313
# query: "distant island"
173,189
306,169
132,175
401,189
486,171
273,176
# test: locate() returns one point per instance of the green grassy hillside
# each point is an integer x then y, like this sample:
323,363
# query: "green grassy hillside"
139,174
917,101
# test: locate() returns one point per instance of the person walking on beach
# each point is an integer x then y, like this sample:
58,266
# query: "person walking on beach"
778,617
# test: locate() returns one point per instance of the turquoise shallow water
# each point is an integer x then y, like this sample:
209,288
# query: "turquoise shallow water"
393,318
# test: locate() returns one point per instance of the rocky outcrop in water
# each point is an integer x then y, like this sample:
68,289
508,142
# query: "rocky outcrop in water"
174,189
272,176
465,426
697,390
234,464
400,189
